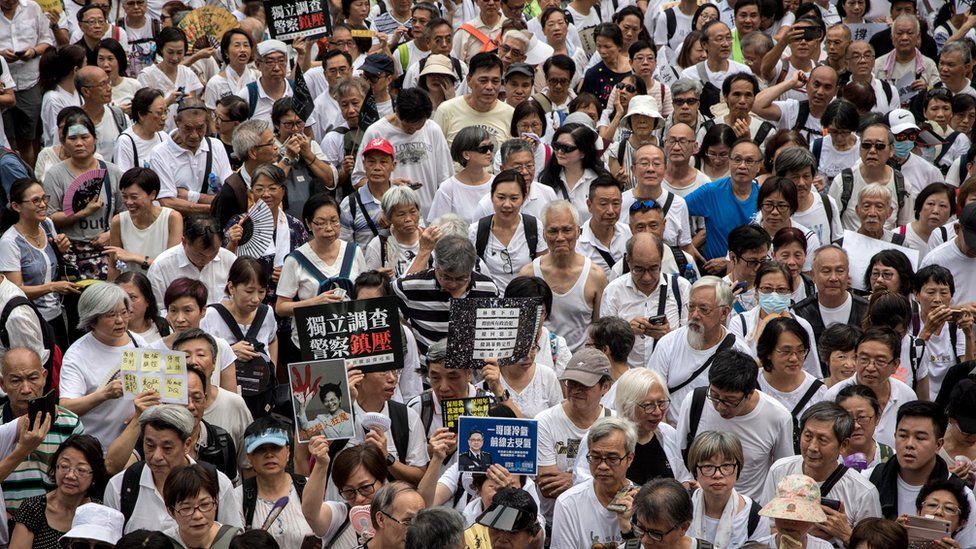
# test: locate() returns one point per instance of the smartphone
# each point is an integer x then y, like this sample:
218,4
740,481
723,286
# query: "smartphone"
740,287
832,503
658,320
20,53
180,93
615,504
811,33
45,405
339,292
926,529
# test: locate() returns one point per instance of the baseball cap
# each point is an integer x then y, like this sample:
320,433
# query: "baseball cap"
96,522
378,144
269,46
967,220
961,405
901,120
518,68
377,63
586,366
580,117
271,436
507,519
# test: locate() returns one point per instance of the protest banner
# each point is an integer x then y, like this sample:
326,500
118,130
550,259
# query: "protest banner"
491,327
860,249
512,443
320,395
865,31
366,333
151,370
289,20
453,408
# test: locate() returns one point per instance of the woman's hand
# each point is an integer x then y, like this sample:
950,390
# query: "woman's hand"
318,448
111,390
442,443
244,351
64,287
377,439
429,237
62,242
90,208
492,375
236,232
324,298
348,165
121,254
275,275
293,146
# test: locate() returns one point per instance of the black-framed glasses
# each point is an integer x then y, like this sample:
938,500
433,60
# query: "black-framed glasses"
186,511
865,361
708,470
642,205
405,521
649,407
726,401
506,261
364,490
687,101
611,461
640,531
754,263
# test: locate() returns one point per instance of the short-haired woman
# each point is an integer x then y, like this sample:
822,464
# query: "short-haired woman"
148,112
144,230
191,492
393,255
474,150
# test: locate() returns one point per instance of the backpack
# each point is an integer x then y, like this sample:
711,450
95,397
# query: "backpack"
847,180
355,199
249,497
802,115
671,22
4,185
220,450
129,494
530,227
53,364
255,377
326,283
761,134
946,145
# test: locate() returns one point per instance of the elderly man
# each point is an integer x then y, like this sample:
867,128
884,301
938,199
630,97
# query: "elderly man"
23,379
959,256
481,106
737,406
685,97
878,356
794,114
521,527
95,89
860,64
576,282
905,58
604,236
833,303
425,296
581,517
648,217
514,47
873,209
825,432
253,142
517,154
663,509
480,34
436,527
360,213
167,431
917,172
653,303
684,353
835,47
211,443
712,72
272,61
680,147
955,63
877,145
392,508
740,91
199,257
191,166
649,171
564,426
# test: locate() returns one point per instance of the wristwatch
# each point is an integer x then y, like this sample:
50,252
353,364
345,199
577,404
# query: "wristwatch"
288,161
504,397
145,263
390,460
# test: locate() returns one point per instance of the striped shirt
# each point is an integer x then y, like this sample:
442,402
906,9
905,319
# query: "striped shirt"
30,478
427,307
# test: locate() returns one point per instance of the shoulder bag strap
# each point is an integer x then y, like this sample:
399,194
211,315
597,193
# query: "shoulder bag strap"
481,236
531,228
305,263
606,257
259,316
130,489
205,184
697,408
833,479
249,499
229,320
727,343
369,220
667,203
812,390
347,258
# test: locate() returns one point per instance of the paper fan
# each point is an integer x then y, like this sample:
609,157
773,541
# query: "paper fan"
207,21
85,188
258,228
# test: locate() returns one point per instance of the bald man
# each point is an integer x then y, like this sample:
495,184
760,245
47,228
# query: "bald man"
803,116
95,88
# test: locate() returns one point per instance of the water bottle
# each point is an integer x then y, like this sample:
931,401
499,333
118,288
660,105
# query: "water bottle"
857,461
689,273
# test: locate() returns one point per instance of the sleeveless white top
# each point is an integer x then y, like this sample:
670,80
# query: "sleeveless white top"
571,315
150,241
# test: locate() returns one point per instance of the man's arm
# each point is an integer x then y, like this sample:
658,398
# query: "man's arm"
764,106
27,440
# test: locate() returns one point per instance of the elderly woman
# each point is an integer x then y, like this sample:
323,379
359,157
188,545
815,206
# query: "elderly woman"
144,230
574,165
642,397
268,186
861,402
783,347
612,117
642,121
87,224
890,270
778,202
933,208
438,79
90,385
357,472
78,470
790,249
945,500
393,255
191,497
148,110
113,60
556,29
267,442
662,514
774,291
474,150
837,348
309,172
507,240
722,516
237,50
613,66
795,510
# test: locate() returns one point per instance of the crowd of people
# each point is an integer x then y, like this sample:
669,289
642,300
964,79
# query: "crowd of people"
751,225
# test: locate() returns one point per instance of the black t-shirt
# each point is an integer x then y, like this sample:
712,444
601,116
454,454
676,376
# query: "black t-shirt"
650,462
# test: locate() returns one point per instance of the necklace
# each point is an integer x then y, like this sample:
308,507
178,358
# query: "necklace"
37,239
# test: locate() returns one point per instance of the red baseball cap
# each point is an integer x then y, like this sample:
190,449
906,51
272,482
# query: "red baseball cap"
379,144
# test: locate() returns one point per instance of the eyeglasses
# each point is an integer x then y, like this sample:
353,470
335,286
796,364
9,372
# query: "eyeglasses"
800,353
753,263
748,162
484,149
186,511
726,469
505,49
564,148
405,522
648,407
80,471
293,124
865,361
682,142
883,275
640,531
930,507
644,164
714,156
462,279
867,146
725,401
364,490
642,205
639,271
782,207
275,62
506,261
611,461
688,101
116,314
863,419
705,310
629,88
909,135
269,189
37,200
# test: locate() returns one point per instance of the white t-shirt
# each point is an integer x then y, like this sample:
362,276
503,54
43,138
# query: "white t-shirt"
949,256
229,412
833,161
789,113
836,315
716,78
740,526
107,133
541,393
900,394
124,157
580,520
214,324
404,256
505,261
907,494
789,400
939,356
815,218
455,197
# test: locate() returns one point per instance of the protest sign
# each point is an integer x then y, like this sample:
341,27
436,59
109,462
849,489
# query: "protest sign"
150,370
320,395
453,408
491,327
289,20
512,443
860,249
865,31
366,333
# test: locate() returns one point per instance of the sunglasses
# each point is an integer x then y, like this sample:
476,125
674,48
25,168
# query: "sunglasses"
629,88
564,148
906,136
875,146
484,149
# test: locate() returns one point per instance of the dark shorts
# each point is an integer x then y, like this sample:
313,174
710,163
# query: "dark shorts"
22,120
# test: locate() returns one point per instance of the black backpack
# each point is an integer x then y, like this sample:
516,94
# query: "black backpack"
710,94
847,189
530,227
255,377
250,495
53,363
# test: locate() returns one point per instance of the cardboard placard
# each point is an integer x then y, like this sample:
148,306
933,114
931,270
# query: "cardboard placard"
365,333
321,400
490,327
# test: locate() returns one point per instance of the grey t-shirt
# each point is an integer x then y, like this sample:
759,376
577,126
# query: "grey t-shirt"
56,183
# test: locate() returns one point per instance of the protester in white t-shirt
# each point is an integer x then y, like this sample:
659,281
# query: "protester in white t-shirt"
959,256
940,325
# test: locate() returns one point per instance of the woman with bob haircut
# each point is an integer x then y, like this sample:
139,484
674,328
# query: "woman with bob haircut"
191,492
144,230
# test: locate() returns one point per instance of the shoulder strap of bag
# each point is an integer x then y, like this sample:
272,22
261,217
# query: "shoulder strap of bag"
531,228
812,390
898,238
753,517
817,149
135,151
404,57
727,343
208,166
369,220
229,320
481,236
621,151
886,88
400,428
829,209
952,326
666,207
606,257
900,188
107,187
225,534
8,309
487,44
832,480
252,98
702,73
118,116
255,327
802,115
675,288
347,259
764,130
249,499
305,263
697,408
342,528
426,410
671,19
847,188
130,489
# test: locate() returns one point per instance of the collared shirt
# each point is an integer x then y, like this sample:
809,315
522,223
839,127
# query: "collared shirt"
179,168
622,298
326,114
589,245
262,110
173,264
900,394
358,227
578,194
677,231
28,28
150,512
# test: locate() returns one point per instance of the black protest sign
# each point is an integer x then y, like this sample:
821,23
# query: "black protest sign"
366,333
288,20
453,408
492,327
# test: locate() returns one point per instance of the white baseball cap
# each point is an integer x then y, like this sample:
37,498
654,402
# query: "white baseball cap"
901,120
